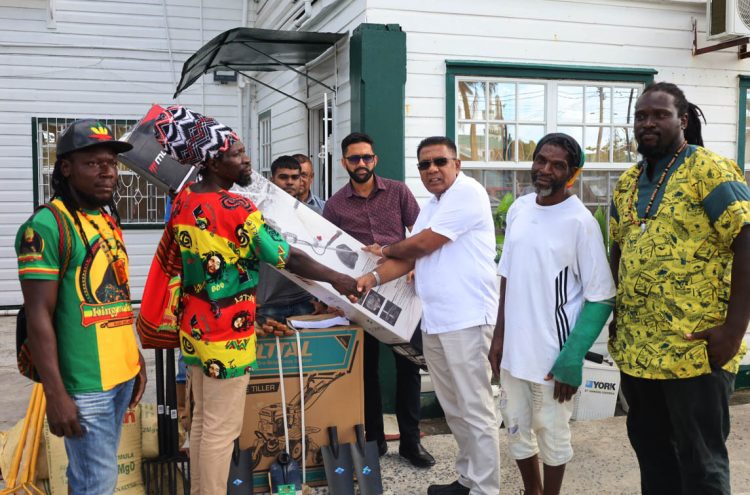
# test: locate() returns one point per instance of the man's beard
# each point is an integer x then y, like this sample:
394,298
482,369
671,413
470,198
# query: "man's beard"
244,180
657,150
91,200
549,190
356,178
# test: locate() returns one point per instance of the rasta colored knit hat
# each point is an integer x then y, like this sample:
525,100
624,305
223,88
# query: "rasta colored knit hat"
565,142
192,138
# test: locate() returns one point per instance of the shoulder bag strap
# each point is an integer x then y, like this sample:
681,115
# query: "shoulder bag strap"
65,244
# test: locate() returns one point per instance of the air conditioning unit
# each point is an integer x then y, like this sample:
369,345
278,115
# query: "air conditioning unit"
728,19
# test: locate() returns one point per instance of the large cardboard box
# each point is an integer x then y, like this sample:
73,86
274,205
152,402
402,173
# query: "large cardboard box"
333,395
597,396
390,312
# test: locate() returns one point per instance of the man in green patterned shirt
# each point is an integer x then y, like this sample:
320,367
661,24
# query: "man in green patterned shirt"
681,260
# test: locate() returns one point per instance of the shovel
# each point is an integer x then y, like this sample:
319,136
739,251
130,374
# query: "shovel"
366,464
338,463
240,480
284,476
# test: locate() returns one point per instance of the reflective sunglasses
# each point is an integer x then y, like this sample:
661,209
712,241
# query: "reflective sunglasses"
440,161
355,159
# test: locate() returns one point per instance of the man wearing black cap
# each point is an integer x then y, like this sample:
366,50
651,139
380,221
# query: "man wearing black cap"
555,296
73,269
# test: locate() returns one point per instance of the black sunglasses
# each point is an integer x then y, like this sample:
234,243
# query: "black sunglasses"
440,161
355,159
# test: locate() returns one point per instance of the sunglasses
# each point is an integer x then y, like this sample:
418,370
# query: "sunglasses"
355,159
440,161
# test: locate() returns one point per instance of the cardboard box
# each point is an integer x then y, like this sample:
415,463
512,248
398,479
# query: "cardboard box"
390,312
333,395
129,479
149,160
597,396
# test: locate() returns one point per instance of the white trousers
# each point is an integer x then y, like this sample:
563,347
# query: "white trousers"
461,374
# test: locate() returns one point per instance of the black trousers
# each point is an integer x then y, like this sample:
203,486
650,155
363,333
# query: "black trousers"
408,388
678,429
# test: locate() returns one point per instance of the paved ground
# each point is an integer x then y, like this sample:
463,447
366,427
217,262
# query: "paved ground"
604,462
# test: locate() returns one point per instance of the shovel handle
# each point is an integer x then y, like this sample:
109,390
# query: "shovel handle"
333,440
359,431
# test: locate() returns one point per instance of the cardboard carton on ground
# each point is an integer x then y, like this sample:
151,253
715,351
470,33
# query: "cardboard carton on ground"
390,312
597,396
332,391
129,479
149,160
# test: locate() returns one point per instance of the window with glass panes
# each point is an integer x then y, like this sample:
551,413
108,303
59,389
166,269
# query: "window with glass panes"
139,202
498,122
264,143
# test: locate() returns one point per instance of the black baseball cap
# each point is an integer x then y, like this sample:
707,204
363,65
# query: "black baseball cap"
87,133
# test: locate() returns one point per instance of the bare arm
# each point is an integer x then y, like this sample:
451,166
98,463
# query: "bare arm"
496,347
416,246
738,312
300,263
390,269
40,298
724,341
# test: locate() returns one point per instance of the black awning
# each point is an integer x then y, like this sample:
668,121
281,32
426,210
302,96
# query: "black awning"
249,49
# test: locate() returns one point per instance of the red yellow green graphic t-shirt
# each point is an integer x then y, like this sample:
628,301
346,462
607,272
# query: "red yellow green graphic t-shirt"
96,344
222,238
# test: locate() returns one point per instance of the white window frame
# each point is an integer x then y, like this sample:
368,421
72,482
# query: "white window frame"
264,143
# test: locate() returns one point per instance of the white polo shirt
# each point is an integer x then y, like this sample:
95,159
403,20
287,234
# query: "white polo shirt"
457,283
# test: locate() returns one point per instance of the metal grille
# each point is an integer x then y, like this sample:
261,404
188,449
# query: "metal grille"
137,200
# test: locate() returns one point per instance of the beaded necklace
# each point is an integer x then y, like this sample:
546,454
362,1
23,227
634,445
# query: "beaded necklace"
633,209
110,248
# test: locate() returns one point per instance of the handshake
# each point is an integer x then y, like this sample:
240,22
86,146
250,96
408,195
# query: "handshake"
354,289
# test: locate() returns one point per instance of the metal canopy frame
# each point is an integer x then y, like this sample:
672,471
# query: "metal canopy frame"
244,50
248,49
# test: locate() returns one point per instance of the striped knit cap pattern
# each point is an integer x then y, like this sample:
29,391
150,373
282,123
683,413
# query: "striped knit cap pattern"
192,138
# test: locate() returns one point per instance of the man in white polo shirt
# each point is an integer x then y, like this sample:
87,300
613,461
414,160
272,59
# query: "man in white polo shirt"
452,252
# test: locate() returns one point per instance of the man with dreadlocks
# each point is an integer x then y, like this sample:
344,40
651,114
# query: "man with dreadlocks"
216,240
556,294
79,316
680,221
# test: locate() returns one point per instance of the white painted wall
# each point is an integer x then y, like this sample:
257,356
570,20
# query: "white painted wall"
106,59
289,119
645,34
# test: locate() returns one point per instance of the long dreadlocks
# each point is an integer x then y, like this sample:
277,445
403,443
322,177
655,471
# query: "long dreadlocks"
61,189
693,133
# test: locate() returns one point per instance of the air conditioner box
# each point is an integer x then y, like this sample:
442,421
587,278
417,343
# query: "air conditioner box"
727,19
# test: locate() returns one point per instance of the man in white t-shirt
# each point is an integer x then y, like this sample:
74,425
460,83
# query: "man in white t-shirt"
556,294
452,252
